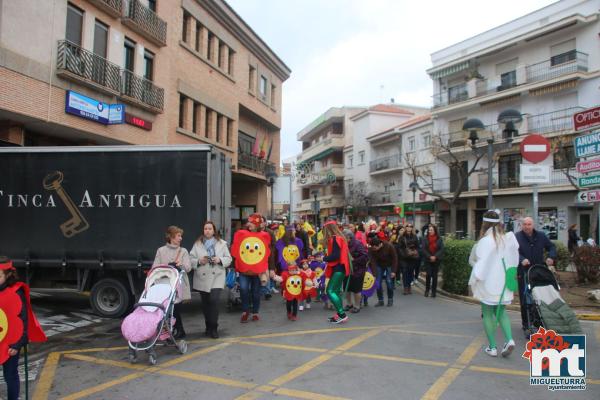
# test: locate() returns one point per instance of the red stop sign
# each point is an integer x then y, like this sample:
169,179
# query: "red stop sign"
535,148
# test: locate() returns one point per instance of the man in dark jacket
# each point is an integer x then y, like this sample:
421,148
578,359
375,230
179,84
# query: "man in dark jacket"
532,244
383,258
354,284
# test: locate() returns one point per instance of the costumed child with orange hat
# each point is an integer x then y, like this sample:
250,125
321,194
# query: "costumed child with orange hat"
292,289
310,284
18,325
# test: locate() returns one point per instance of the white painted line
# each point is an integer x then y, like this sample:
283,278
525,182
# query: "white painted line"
535,148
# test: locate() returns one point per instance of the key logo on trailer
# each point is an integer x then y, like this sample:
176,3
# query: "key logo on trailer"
556,361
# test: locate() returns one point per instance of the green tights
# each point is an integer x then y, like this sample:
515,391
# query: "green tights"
489,322
334,291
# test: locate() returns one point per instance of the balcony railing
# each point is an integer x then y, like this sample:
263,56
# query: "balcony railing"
557,178
555,121
145,21
87,66
455,94
391,196
487,86
255,164
384,163
567,63
143,90
113,7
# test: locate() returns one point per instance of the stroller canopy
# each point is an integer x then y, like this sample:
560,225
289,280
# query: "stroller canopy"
540,275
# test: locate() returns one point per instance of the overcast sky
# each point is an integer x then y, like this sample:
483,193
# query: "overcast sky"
364,52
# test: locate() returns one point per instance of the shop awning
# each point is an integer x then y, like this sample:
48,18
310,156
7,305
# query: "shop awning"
318,156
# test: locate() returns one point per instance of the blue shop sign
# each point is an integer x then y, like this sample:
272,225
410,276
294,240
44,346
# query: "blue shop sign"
587,145
88,108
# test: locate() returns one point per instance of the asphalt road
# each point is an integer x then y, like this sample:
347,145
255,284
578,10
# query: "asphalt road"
421,348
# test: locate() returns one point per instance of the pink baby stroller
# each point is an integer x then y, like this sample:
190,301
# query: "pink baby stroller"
151,322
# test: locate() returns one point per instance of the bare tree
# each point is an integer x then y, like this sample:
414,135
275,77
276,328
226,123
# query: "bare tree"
454,157
561,148
358,197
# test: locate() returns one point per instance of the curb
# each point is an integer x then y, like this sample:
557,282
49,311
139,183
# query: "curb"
512,307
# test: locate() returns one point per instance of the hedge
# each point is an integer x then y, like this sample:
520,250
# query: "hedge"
587,263
564,258
455,266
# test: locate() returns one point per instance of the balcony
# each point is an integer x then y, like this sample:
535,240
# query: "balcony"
389,197
555,121
255,164
480,181
112,7
322,149
145,22
557,66
386,163
82,66
142,92
562,64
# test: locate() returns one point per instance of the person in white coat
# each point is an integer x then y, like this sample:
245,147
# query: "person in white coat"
209,258
491,281
173,254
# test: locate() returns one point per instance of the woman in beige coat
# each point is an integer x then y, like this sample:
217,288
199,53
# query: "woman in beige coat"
173,253
209,259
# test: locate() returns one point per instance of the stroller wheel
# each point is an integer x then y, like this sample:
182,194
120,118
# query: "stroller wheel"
152,359
182,346
132,357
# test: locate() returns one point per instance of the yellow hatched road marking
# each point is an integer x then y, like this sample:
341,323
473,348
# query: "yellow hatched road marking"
104,386
249,396
301,370
98,349
47,377
283,346
207,378
500,371
440,386
305,395
422,333
397,359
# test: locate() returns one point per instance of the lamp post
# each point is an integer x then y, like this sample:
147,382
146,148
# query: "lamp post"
508,118
315,193
414,186
271,177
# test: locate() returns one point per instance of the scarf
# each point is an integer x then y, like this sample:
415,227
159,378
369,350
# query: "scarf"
432,239
209,245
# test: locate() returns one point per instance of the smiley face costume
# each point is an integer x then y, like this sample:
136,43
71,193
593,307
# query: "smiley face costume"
251,251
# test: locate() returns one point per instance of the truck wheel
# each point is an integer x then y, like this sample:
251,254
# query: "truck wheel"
110,298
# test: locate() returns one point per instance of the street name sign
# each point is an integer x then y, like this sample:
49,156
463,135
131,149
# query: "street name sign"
585,167
589,196
587,145
586,119
589,181
533,174
535,148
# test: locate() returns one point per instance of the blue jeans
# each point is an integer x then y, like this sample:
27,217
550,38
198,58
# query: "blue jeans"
385,273
265,290
250,289
11,377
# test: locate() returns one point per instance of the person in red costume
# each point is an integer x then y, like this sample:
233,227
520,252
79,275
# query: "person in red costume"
18,325
310,292
292,289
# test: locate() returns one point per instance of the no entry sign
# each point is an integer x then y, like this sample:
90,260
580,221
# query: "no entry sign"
535,148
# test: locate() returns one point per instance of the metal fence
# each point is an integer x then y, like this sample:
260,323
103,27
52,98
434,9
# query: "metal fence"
574,61
254,163
143,90
380,164
146,20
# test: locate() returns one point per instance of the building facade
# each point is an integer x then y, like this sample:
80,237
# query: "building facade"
185,72
546,65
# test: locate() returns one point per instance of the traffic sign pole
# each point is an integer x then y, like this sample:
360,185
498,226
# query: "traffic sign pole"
535,148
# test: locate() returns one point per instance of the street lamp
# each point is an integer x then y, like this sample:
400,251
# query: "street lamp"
271,178
414,186
315,193
509,119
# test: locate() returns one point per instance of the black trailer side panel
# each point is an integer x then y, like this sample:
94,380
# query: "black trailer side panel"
85,205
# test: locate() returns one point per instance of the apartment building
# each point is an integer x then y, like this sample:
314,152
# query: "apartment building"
100,72
546,65
320,167
372,169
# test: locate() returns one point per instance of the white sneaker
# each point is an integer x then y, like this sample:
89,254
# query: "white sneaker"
508,348
274,290
491,352
307,306
300,308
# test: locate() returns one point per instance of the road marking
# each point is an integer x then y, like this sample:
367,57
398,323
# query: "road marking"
249,396
422,333
444,381
397,359
47,377
305,395
500,371
104,386
283,346
598,333
95,350
200,352
358,340
207,378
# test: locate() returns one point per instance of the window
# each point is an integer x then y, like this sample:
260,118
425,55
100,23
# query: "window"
148,65
565,158
207,122
181,110
251,78
508,167
350,161
219,126
563,52
184,28
263,86
457,93
230,65
508,80
361,157
100,39
245,143
195,114
229,132
426,140
220,54
411,143
198,36
152,5
273,96
129,54
209,48
74,24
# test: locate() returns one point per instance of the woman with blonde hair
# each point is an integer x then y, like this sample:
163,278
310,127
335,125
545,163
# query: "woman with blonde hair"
493,280
338,267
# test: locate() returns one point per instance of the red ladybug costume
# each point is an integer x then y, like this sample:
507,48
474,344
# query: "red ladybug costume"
309,275
292,286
